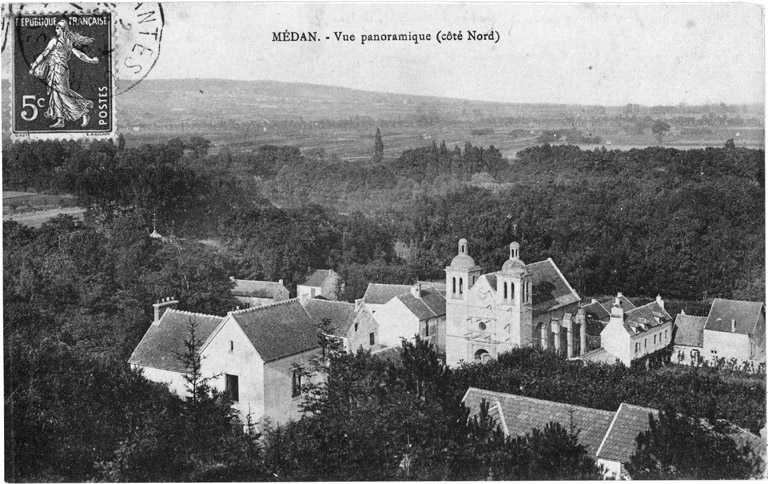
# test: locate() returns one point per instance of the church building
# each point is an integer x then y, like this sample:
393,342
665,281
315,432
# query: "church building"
520,305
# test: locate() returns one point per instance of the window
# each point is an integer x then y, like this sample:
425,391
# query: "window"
296,383
232,387
666,334
505,290
461,285
356,327
372,338
654,339
646,343
511,290
426,329
454,285
482,326
637,347
231,346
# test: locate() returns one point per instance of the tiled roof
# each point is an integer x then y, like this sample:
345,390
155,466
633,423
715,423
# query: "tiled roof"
645,317
523,414
278,330
550,289
340,314
607,303
165,340
382,293
689,330
746,314
619,443
599,355
317,277
431,304
597,311
248,288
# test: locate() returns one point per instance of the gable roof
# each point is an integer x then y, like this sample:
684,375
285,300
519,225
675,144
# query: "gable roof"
431,304
550,288
607,303
317,277
249,288
619,443
645,317
597,311
523,414
382,293
340,314
278,330
165,339
689,330
746,314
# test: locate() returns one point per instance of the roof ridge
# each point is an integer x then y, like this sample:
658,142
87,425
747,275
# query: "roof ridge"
386,284
329,301
191,313
535,399
256,308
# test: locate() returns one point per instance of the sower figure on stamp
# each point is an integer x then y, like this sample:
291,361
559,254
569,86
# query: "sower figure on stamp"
53,67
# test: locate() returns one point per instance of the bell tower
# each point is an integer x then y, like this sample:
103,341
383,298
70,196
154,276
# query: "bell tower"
515,290
460,276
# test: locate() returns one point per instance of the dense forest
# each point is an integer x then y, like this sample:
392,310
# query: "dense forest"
77,297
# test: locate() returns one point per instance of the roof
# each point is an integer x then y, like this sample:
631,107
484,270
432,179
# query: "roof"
619,442
431,304
607,303
746,314
339,313
597,311
645,317
164,340
7,195
600,355
317,277
521,415
382,293
550,288
278,330
689,330
248,288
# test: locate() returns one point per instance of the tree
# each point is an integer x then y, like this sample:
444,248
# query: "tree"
378,147
659,129
680,447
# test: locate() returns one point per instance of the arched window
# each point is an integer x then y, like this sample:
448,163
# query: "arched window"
512,291
505,290
454,285
481,356
461,285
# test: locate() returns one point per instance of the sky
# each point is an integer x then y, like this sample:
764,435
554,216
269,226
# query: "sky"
587,53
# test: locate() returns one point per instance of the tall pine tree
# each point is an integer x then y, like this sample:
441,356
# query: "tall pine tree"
378,147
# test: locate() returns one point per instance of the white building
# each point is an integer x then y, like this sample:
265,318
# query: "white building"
520,305
735,329
258,293
320,282
253,354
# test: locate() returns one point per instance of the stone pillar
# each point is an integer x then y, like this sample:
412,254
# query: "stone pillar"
581,319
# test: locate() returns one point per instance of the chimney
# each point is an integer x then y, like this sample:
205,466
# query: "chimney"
232,278
163,305
617,313
280,282
660,302
593,301
682,312
733,325
416,290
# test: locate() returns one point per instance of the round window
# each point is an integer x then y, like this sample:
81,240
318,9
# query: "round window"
482,326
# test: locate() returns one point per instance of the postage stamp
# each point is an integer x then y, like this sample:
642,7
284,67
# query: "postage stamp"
63,82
